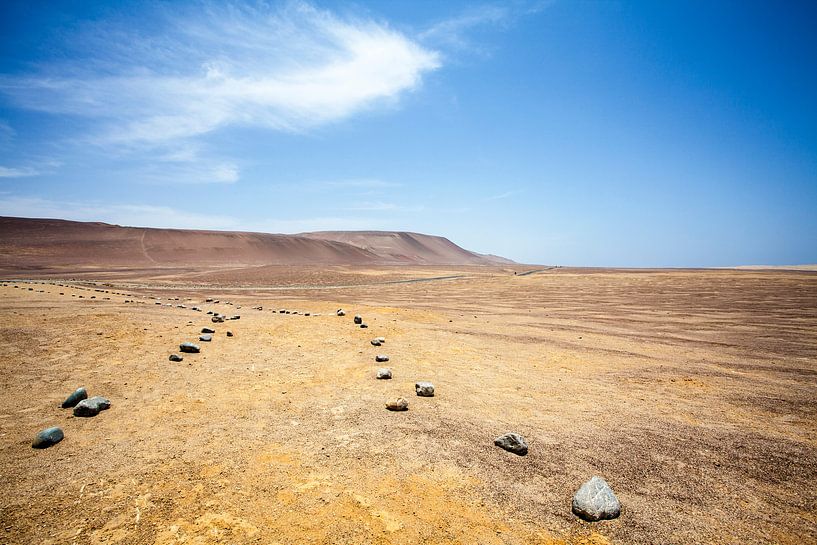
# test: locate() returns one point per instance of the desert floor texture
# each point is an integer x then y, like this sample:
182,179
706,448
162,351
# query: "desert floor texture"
693,393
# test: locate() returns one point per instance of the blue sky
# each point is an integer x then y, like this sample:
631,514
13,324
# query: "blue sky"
564,132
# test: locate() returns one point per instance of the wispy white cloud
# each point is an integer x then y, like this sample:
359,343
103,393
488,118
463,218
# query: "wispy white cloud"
459,33
362,184
7,133
328,223
23,172
379,206
503,195
143,215
121,214
453,32
290,68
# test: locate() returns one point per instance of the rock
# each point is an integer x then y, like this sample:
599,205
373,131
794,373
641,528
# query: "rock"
512,442
91,406
375,342
381,340
208,330
340,312
424,389
235,317
282,311
206,338
363,326
380,358
229,333
217,319
175,357
48,437
399,404
78,395
190,348
358,319
595,500
383,373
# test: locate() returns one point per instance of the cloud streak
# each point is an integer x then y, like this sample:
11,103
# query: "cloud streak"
11,172
289,69
143,215
158,90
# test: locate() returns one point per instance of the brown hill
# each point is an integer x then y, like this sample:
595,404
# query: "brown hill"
415,248
43,243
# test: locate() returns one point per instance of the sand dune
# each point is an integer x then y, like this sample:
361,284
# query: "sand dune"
46,243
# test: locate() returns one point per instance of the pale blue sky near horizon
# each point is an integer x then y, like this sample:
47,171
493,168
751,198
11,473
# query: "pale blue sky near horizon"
634,134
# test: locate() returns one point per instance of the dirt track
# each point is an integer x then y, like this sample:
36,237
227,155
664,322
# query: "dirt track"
694,393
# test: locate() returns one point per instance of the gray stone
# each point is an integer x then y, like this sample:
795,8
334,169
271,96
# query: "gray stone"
595,501
381,340
206,338
363,326
340,312
217,319
78,395
175,357
91,406
384,373
399,404
190,348
48,437
375,342
235,317
424,389
229,333
208,330
380,358
282,311
512,442
358,319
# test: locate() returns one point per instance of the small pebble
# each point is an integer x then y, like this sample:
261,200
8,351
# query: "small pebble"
175,357
48,437
384,373
92,406
78,395
399,404
189,348
512,442
424,389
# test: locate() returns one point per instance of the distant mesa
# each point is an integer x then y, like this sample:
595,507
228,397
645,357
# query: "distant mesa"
43,243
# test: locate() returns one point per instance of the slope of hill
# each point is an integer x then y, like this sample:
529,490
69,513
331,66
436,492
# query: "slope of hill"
401,247
40,243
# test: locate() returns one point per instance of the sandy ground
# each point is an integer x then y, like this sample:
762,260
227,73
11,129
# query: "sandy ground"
693,393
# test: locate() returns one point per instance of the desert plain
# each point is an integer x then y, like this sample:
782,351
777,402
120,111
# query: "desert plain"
692,392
